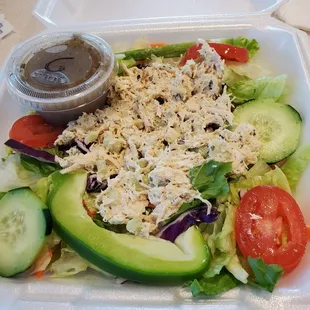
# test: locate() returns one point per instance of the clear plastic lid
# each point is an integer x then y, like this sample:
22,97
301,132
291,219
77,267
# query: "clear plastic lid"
120,12
60,71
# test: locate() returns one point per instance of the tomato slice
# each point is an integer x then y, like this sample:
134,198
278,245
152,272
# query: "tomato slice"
34,131
269,225
226,51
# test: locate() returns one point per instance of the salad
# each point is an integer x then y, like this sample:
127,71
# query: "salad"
186,176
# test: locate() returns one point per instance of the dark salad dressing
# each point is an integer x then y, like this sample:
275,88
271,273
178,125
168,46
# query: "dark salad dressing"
61,66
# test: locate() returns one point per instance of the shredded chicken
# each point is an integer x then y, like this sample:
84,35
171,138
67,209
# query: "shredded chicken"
160,121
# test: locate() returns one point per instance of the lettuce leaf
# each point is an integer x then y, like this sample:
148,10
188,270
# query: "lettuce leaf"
217,264
225,239
263,88
42,168
210,179
250,44
235,268
213,286
14,175
231,77
2,194
69,263
259,169
266,276
274,177
248,70
296,165
41,189
222,244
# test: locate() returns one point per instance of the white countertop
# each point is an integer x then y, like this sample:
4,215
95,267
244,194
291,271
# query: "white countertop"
19,14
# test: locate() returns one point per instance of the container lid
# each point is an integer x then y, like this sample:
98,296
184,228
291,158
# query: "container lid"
57,71
70,12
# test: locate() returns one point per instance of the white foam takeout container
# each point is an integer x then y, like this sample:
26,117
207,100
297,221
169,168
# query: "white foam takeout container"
283,50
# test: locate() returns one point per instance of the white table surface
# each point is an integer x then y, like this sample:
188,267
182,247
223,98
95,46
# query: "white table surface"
19,14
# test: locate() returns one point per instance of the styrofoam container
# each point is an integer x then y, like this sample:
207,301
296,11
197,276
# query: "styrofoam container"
283,51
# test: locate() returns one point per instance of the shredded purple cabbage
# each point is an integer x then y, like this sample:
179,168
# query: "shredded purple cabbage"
30,151
93,185
82,146
189,218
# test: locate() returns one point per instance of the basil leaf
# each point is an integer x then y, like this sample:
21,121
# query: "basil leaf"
42,168
266,276
220,283
210,179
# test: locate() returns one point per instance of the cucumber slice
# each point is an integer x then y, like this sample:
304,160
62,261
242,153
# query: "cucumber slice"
22,230
278,126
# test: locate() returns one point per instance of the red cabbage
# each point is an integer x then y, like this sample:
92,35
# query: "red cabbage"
187,219
30,151
82,146
93,185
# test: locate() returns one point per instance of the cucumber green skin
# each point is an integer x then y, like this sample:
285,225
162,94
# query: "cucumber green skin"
113,252
277,149
23,260
167,51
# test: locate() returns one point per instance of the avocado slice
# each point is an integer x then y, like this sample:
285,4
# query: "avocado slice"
131,257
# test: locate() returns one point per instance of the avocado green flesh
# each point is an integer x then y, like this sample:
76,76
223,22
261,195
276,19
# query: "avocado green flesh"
131,257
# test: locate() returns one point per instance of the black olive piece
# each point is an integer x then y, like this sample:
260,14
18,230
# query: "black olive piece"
112,176
212,127
160,100
165,143
141,66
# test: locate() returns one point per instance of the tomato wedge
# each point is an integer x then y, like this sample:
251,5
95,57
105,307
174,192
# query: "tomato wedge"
226,51
269,225
34,131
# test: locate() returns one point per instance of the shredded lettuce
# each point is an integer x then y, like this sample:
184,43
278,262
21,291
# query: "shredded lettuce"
259,169
248,70
41,189
2,194
250,44
296,165
231,77
210,179
263,88
235,268
14,175
8,151
222,245
122,63
274,177
69,263
225,239
259,174
217,264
